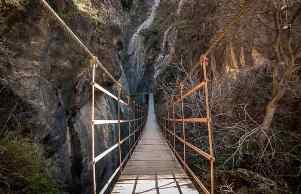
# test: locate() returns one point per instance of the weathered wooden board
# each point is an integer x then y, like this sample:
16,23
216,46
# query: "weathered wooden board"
152,168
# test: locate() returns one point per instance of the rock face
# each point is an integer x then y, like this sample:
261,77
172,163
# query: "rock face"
47,70
243,69
149,44
137,49
41,65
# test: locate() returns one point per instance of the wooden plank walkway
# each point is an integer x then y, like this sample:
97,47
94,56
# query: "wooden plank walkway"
153,168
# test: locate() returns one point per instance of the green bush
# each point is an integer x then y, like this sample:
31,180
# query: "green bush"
22,168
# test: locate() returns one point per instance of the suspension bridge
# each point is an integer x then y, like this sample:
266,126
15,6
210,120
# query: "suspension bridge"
153,168
151,163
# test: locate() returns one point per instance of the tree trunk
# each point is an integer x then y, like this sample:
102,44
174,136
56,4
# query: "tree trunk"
269,115
233,59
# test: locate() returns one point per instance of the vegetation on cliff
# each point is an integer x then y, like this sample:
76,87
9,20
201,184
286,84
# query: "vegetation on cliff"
23,169
254,74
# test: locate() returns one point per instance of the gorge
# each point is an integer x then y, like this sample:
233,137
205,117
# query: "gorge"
150,46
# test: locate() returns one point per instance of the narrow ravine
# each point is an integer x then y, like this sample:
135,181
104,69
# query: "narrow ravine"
136,49
150,46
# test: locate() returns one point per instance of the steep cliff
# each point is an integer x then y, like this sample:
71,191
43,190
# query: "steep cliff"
254,86
254,73
41,65
45,78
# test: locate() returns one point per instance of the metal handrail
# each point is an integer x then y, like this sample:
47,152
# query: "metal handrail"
196,178
139,115
193,147
135,127
106,152
96,85
169,133
95,62
76,39
102,122
105,187
137,122
189,120
191,91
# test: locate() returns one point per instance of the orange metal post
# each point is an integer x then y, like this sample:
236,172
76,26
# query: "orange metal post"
135,126
183,124
119,128
174,125
139,124
139,127
129,120
210,139
167,121
93,129
165,128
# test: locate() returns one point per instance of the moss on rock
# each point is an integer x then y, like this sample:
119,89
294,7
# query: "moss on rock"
23,169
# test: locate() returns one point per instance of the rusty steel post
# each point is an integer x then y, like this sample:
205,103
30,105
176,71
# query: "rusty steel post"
139,128
183,124
174,125
119,128
210,139
140,120
93,129
167,121
165,129
138,117
129,120
134,124
139,123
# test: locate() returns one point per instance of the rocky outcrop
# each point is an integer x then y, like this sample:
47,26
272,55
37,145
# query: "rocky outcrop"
146,42
43,67
137,49
243,181
252,82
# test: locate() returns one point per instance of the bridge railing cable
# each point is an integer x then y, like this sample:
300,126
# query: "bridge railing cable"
135,121
136,113
76,39
170,124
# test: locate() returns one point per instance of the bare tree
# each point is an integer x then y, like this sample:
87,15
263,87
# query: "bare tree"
285,66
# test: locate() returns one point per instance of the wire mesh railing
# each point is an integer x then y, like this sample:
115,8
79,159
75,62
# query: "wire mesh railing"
171,123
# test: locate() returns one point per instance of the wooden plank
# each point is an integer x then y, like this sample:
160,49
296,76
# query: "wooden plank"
147,177
147,163
151,147
146,187
196,178
186,186
124,187
151,155
168,186
153,166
